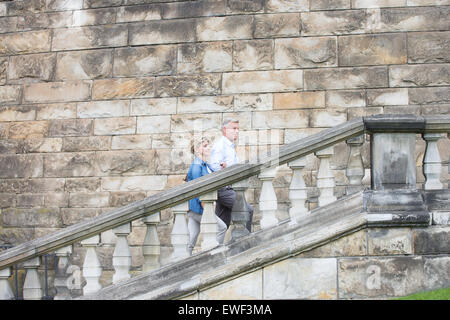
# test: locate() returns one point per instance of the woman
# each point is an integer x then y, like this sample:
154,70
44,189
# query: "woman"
200,149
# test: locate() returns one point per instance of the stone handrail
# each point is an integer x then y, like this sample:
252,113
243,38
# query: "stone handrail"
289,153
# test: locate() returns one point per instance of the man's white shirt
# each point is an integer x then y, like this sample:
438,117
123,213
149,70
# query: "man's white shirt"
223,150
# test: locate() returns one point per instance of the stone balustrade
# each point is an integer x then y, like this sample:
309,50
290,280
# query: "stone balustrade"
392,170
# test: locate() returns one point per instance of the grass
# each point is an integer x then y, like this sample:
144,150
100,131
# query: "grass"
441,294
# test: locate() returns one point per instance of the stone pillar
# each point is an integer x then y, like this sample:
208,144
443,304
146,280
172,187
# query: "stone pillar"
122,254
268,202
325,177
208,226
297,190
92,269
32,288
5,289
393,161
355,165
239,214
151,248
180,234
432,165
61,279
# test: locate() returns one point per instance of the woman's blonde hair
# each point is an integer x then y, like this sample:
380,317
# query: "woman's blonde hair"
197,142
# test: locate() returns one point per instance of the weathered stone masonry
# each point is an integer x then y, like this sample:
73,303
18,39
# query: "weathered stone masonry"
100,99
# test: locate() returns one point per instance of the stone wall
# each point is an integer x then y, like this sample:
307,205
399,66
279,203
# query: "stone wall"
99,99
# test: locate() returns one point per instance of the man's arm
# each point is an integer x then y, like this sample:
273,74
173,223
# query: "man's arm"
216,157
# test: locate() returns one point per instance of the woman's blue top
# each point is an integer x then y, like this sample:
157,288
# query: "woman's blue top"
197,169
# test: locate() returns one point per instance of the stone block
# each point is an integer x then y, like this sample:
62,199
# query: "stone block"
93,17
60,200
246,287
10,94
36,217
330,4
305,52
28,129
70,127
419,75
37,185
262,81
204,57
301,278
126,163
144,12
40,67
123,88
21,166
142,61
163,31
384,241
25,42
260,51
90,200
356,4
7,200
131,142
287,5
364,50
57,91
432,240
188,85
277,25
192,9
44,20
76,144
429,95
174,140
333,22
436,272
90,37
82,185
345,98
26,7
153,124
172,161
280,119
114,126
428,47
103,109
224,28
29,200
70,164
56,111
253,102
387,97
17,113
428,2
95,64
205,104
134,183
327,118
411,19
3,70
145,107
119,199
346,78
365,278
299,100
195,122
70,216
42,145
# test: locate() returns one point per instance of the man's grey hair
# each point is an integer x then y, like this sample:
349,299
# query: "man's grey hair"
230,120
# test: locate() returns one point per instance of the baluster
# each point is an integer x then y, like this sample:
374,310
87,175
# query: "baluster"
5,289
208,226
355,165
432,166
297,190
61,279
180,234
325,177
32,288
239,214
268,199
122,254
151,247
92,269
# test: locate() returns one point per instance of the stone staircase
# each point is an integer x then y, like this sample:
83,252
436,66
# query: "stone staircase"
265,264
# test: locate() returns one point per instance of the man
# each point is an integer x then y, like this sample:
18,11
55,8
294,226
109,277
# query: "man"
223,155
